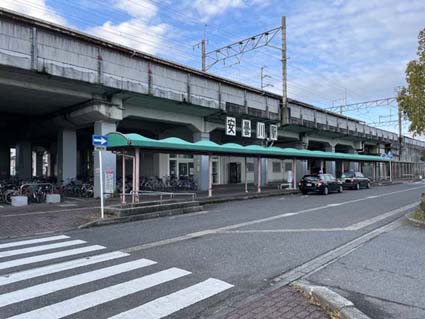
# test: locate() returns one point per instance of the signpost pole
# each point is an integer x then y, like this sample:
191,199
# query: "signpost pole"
102,215
246,175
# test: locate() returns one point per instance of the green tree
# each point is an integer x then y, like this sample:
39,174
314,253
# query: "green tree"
411,99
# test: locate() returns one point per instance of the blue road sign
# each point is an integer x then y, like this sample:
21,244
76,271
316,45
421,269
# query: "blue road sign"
100,140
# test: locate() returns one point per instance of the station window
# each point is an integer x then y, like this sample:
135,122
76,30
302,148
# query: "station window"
250,167
276,167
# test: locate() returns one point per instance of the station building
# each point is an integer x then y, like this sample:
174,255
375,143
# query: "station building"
59,86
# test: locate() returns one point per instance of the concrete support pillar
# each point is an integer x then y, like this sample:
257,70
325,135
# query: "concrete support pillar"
201,163
67,155
4,161
39,163
24,160
329,164
300,170
109,161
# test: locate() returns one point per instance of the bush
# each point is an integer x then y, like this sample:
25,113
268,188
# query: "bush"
420,212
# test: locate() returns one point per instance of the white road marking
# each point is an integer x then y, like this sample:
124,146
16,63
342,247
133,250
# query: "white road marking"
86,301
249,223
370,197
334,205
330,257
299,230
72,281
176,301
32,241
59,254
353,227
55,268
21,251
378,218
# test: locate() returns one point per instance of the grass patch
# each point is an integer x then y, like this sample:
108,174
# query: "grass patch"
419,214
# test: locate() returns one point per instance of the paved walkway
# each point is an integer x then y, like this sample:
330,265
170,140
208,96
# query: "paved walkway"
282,303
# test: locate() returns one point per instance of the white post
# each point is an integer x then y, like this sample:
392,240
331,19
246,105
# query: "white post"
137,174
102,215
209,175
259,175
391,175
134,180
294,173
246,175
123,179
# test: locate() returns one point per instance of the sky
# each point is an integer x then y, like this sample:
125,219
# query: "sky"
338,51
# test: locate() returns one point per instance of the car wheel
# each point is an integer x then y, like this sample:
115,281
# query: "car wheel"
357,186
340,189
368,185
325,191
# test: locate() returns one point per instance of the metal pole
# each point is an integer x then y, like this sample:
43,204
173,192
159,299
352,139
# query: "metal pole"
294,173
391,175
123,179
133,198
137,174
259,175
209,175
285,112
246,175
102,214
203,52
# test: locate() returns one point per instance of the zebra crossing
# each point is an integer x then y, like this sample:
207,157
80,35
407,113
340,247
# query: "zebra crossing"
36,274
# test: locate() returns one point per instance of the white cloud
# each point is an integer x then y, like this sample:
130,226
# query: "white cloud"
139,32
35,8
210,8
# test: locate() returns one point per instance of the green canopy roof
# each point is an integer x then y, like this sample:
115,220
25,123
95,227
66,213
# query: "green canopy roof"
175,145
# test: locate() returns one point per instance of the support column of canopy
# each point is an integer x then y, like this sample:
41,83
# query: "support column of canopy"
210,177
259,175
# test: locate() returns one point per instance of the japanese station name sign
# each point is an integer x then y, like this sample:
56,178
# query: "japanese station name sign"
246,129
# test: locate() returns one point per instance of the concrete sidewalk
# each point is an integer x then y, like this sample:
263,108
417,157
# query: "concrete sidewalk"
385,278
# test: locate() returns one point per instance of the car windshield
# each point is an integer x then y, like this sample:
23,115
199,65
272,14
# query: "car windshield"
310,177
347,174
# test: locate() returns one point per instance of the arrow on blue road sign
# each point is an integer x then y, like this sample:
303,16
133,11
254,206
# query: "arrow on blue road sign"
100,140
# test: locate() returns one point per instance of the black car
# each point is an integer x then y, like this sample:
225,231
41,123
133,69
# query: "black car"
355,180
320,183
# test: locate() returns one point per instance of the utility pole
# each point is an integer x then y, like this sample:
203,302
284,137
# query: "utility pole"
341,109
400,134
203,53
400,129
285,111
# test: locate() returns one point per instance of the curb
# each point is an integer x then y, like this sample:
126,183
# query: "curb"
331,301
126,219
224,199
415,221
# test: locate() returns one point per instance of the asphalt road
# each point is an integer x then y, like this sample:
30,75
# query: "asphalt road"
205,263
